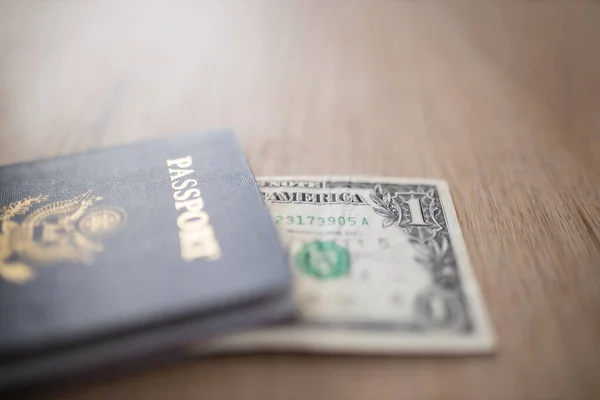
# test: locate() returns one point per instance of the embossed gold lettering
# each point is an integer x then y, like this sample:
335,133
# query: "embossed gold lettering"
196,235
184,162
193,193
184,185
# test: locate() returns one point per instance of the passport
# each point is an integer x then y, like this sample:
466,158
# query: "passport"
128,253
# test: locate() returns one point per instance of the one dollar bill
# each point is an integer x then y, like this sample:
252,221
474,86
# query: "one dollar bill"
379,266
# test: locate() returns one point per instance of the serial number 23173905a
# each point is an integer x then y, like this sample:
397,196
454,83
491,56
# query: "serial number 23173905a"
319,221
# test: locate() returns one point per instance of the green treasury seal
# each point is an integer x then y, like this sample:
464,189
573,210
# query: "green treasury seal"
323,260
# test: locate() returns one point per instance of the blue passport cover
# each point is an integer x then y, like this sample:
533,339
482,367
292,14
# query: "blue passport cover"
118,242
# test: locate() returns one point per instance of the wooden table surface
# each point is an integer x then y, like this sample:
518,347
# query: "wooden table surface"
500,98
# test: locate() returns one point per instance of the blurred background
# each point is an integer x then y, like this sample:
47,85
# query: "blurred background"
500,98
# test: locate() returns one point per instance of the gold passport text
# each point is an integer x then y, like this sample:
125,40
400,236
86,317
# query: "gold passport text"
196,234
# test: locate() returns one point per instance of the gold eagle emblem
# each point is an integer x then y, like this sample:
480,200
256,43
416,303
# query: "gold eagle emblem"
63,231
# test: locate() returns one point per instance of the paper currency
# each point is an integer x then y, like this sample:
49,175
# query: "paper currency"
379,266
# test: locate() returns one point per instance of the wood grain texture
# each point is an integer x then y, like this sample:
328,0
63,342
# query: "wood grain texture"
500,98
